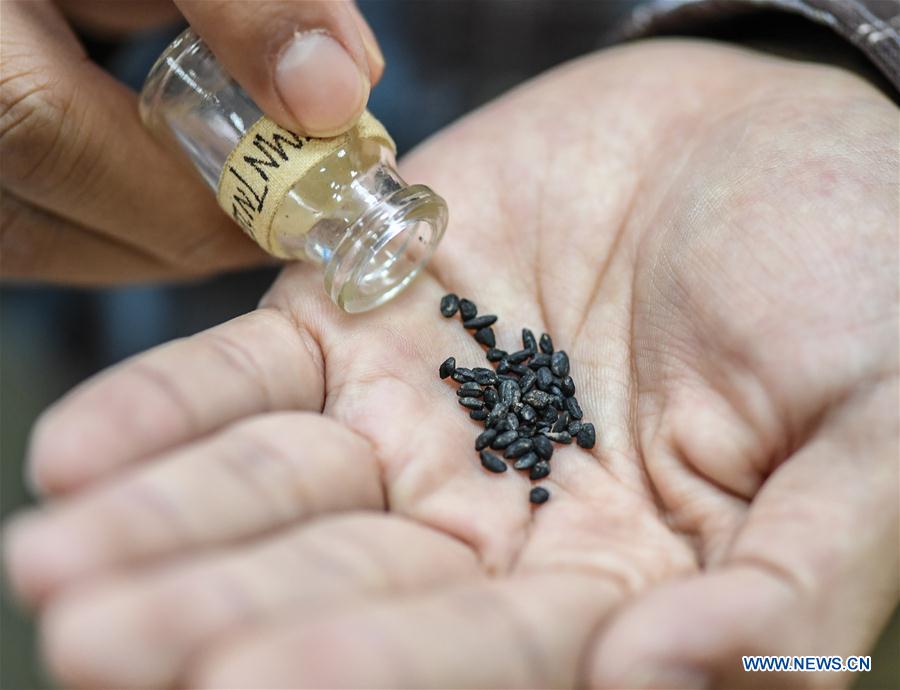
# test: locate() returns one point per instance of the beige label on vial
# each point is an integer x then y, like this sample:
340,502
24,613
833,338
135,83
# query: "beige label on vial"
267,162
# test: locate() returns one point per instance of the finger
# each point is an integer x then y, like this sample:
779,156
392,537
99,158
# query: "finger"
114,17
122,633
72,143
520,633
813,571
35,244
305,63
255,476
175,393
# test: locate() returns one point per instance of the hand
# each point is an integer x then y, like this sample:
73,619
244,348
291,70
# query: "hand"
88,195
292,499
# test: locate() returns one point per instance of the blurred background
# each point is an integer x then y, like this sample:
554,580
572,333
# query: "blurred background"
444,57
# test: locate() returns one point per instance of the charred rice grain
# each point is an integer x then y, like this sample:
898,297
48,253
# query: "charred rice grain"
485,438
543,447
527,414
528,341
495,355
538,495
503,366
449,304
512,421
546,344
540,470
479,415
574,427
517,448
568,386
526,383
509,392
573,408
519,356
486,337
469,390
480,322
537,399
587,437
560,436
448,366
559,364
539,360
491,462
485,377
462,375
498,412
471,403
562,422
544,379
490,396
501,441
526,462
467,309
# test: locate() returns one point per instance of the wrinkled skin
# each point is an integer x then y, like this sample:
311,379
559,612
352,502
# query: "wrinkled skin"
292,500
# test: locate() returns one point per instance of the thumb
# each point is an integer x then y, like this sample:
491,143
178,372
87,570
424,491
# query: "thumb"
309,65
813,571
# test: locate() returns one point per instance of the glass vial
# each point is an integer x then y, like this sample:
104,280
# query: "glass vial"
338,202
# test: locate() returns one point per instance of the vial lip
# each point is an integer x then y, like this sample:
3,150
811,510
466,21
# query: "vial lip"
386,249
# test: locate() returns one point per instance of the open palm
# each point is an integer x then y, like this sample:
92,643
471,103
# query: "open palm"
292,499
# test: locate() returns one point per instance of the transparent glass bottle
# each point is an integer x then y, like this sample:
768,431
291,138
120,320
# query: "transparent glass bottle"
350,211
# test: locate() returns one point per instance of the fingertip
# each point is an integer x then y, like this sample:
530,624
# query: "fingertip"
320,84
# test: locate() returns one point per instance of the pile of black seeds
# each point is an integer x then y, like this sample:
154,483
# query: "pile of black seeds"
526,402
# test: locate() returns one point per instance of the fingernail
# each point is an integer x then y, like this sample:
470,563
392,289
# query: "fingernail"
370,43
321,84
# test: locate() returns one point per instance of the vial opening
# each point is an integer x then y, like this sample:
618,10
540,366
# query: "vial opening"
386,249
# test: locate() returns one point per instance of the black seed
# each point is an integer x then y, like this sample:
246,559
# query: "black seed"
543,447
574,408
503,440
550,415
519,356
526,462
462,375
471,403
560,436
509,392
568,386
587,437
546,344
526,383
469,390
559,363
526,431
539,360
542,427
540,470
485,377
527,414
544,379
467,309
448,366
479,415
491,462
485,438
490,396
480,322
537,399
512,421
562,422
517,448
449,304
495,355
528,341
555,391
503,366
574,427
557,402
485,336
538,495
498,412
